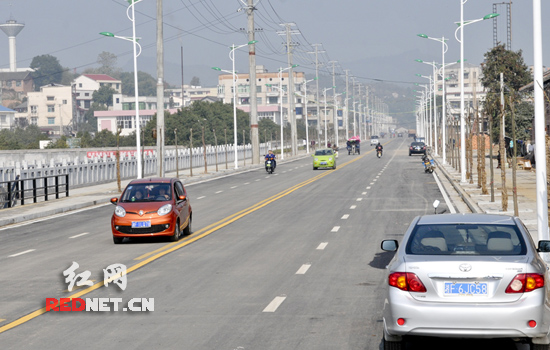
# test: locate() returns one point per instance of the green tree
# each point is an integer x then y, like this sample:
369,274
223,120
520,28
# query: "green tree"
47,70
59,143
515,75
104,95
147,84
195,81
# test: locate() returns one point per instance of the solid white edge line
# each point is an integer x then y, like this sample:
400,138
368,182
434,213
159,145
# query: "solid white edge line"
444,193
303,269
275,303
25,252
82,234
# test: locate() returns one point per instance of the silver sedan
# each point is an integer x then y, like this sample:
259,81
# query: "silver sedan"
467,276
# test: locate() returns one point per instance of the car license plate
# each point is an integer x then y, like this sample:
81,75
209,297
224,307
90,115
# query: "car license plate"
141,224
465,288
323,163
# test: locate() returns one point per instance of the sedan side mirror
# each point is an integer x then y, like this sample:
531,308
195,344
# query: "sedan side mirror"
182,198
389,245
544,247
114,201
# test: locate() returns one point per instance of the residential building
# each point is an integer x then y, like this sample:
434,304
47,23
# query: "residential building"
7,118
472,88
86,84
190,94
51,109
14,86
125,120
268,95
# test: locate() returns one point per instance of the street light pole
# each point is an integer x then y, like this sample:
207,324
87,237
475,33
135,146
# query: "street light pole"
235,77
133,39
325,98
307,125
540,142
462,118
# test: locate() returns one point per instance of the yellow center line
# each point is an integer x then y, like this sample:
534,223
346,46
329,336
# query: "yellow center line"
177,245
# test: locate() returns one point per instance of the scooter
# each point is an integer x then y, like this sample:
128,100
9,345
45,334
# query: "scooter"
269,166
429,164
379,153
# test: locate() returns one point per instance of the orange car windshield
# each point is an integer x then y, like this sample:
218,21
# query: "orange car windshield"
149,192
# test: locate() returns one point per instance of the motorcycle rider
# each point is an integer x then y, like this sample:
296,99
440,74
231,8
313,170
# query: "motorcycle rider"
379,147
271,156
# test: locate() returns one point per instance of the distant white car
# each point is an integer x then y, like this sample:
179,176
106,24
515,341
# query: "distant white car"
373,140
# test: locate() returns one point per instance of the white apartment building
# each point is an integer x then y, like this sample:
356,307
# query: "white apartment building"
51,109
7,118
190,94
472,83
86,84
268,95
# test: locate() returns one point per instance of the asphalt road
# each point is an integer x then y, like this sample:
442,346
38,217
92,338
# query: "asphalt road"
284,261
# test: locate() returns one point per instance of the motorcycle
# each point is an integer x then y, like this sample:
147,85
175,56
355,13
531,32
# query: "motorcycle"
429,164
269,166
379,153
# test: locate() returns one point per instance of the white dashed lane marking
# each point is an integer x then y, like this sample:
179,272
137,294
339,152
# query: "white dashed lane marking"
322,246
345,216
25,252
353,207
303,269
82,234
335,229
275,303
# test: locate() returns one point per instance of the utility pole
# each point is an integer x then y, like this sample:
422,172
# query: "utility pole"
317,52
289,45
255,138
160,91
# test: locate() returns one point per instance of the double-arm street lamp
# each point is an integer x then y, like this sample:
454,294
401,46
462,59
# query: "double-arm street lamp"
444,48
235,77
461,26
132,17
434,110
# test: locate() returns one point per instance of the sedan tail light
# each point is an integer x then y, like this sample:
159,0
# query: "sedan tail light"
406,281
525,282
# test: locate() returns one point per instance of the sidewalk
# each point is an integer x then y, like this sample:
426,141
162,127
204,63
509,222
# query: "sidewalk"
480,203
88,196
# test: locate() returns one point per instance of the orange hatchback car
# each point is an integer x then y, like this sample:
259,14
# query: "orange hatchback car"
152,207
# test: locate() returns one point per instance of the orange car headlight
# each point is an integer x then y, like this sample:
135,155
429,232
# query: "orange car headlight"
119,211
165,209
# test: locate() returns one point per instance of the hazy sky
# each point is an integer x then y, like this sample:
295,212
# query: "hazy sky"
374,39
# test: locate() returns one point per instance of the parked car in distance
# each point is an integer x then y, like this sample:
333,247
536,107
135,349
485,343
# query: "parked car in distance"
417,148
152,207
324,158
467,276
374,140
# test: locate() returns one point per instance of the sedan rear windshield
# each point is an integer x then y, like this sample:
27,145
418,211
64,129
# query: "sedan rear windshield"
466,239
421,144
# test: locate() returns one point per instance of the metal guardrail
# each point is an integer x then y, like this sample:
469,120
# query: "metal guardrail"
32,189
